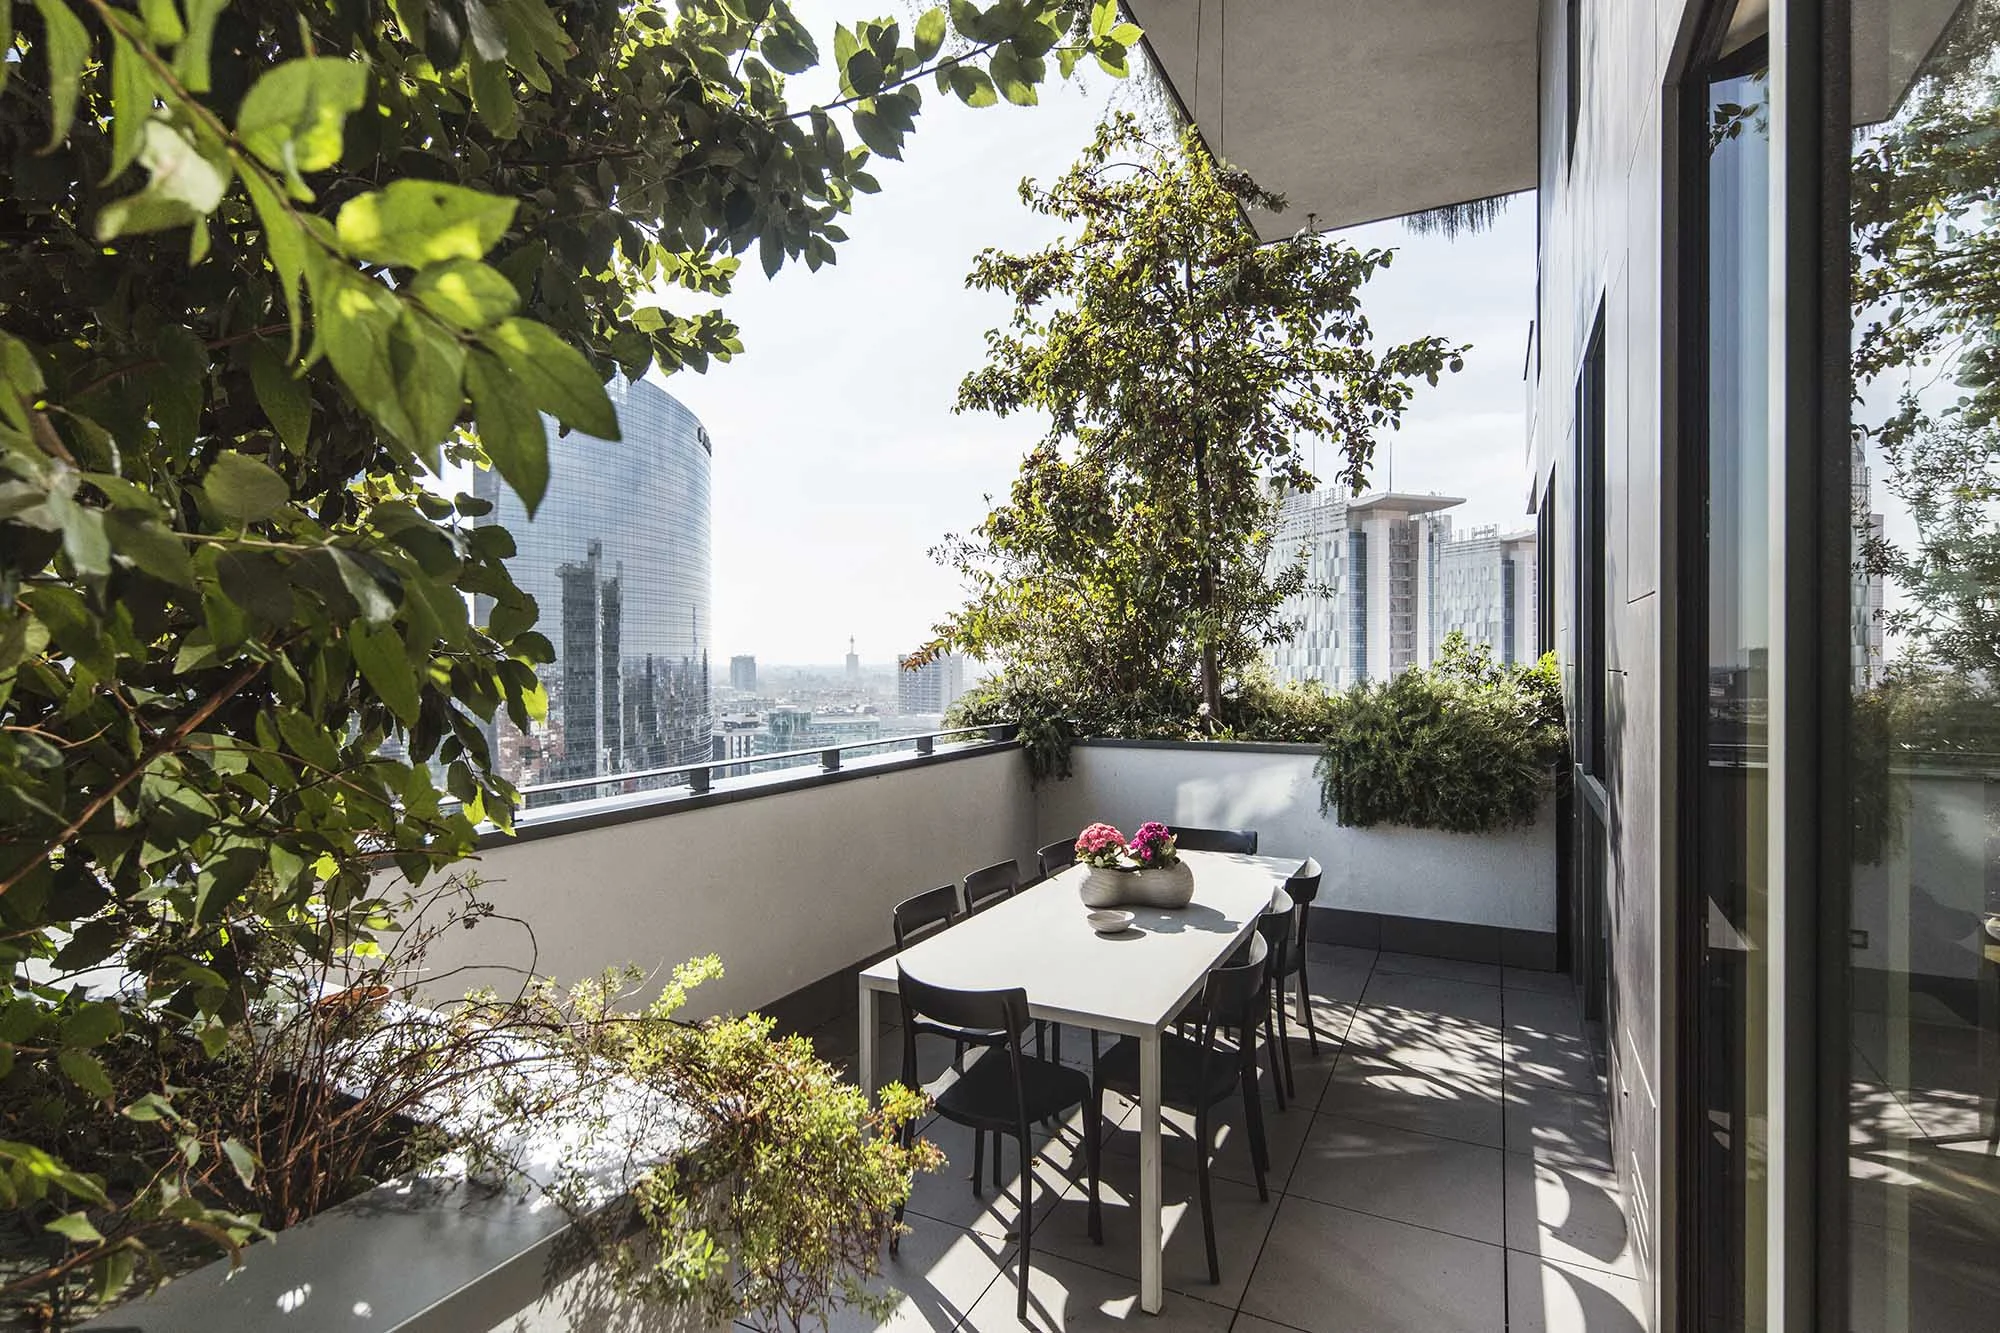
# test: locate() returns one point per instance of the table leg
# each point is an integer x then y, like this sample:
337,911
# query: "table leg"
865,1052
1150,1282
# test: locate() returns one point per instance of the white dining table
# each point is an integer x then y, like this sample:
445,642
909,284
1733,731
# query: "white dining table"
1130,984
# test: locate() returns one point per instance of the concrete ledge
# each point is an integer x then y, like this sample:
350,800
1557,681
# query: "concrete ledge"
1467,942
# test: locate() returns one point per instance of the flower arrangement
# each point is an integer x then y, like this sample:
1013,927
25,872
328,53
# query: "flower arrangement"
1100,845
1153,846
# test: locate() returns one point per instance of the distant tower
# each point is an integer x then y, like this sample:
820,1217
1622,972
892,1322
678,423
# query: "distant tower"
743,673
853,663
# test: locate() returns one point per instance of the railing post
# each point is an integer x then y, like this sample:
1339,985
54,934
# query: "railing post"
700,779
829,760
998,732
926,745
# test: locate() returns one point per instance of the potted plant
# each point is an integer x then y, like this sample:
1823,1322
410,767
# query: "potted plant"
1147,871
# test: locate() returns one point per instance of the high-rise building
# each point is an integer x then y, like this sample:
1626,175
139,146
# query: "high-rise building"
743,673
617,559
853,664
1485,590
932,687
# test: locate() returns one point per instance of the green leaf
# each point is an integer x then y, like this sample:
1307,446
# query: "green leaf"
930,31
294,117
414,223
145,543
376,606
284,241
357,317
1127,35
255,582
185,186
789,49
878,136
110,1275
282,394
191,57
554,377
6,46
242,489
493,97
467,293
243,1160
430,374
131,104
1015,75
163,22
83,1069
68,52
76,1227
149,1108
385,665
92,1024
973,87
510,430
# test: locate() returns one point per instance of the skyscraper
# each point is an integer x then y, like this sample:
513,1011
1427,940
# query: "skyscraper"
617,559
743,673
853,663
932,687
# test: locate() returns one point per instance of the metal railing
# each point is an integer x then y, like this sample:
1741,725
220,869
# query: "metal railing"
701,776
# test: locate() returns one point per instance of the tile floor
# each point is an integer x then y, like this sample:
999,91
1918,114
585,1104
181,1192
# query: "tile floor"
1444,1166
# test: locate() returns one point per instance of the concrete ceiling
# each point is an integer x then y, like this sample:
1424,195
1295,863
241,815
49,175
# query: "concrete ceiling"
1357,110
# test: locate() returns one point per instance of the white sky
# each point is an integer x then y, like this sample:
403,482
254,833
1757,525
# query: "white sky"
839,464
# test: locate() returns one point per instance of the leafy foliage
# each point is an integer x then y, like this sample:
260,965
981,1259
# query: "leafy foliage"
1468,746
268,271
1182,366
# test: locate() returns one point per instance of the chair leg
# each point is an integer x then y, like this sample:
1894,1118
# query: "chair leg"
1271,1049
1306,999
1285,1042
1023,1225
1201,1148
1253,1117
978,1160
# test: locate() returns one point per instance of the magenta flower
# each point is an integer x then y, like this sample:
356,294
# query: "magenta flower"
1153,845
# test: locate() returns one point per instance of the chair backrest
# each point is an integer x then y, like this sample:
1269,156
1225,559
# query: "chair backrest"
1302,888
1232,995
975,1017
1279,927
929,912
1216,839
989,885
1058,856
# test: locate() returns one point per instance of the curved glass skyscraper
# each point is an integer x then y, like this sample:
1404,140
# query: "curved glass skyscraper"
617,558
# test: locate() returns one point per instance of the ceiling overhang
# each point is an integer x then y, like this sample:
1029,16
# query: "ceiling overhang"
1356,110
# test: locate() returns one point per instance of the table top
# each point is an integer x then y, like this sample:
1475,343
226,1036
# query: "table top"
1130,983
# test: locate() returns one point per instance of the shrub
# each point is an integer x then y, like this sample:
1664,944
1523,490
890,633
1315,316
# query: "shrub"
1468,746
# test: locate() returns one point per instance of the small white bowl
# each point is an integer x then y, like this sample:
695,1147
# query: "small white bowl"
1109,920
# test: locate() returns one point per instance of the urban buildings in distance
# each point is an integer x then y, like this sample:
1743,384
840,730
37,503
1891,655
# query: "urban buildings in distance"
617,559
932,687
743,674
1388,580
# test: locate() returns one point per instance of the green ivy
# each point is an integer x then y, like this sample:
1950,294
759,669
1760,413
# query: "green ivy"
1469,746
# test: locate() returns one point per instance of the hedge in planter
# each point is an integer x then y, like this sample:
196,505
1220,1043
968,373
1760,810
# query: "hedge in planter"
1469,746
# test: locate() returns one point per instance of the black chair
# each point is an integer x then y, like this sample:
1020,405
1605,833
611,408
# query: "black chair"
1216,839
985,887
1003,1092
918,918
1277,927
1302,888
1198,1073
1057,856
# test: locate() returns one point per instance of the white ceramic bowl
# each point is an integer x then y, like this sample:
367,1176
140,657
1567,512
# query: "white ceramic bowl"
1109,920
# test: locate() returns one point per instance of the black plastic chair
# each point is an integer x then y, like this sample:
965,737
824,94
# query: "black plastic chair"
1302,888
1216,840
987,886
1003,1092
1277,927
1198,1073
1057,856
920,917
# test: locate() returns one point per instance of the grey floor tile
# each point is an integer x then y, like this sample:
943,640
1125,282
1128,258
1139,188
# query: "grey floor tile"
946,1195
1250,1323
1433,1182
1433,996
1428,1041
1531,979
1553,1125
1241,1221
1332,1270
1064,1294
1446,1102
1540,1011
1229,1138
1569,1213
938,1274
1548,1060
1340,955
1451,969
1544,1296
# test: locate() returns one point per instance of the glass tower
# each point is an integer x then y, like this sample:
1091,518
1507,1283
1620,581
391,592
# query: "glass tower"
617,559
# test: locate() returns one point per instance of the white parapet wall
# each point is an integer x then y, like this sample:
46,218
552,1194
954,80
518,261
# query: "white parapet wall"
1504,880
786,884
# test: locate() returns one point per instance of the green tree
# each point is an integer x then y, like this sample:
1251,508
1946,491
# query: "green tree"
1182,367
268,269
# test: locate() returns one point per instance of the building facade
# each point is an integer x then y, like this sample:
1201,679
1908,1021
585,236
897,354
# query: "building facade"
743,674
1387,580
617,560
932,687
1760,445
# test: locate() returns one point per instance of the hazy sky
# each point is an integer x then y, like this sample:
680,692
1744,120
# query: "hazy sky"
839,464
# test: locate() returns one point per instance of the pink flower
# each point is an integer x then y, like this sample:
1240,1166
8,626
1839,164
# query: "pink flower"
1099,845
1153,845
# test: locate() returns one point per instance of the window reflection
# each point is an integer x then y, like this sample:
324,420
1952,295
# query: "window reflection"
1924,1163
